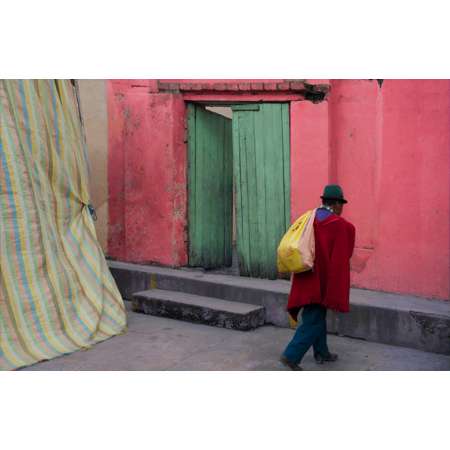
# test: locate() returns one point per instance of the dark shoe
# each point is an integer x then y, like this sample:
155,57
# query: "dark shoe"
289,364
330,357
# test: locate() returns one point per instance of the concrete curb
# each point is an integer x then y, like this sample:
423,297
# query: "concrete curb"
375,316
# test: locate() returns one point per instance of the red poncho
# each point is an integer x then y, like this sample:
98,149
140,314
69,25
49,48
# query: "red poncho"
328,283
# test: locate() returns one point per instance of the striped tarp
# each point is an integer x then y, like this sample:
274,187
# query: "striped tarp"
56,292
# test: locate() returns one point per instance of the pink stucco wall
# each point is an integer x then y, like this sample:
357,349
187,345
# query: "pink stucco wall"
309,155
147,176
390,150
387,146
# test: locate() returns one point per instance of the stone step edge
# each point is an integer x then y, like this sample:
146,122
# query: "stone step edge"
187,299
207,311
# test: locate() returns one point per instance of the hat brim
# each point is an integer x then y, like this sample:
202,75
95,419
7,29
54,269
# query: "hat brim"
342,200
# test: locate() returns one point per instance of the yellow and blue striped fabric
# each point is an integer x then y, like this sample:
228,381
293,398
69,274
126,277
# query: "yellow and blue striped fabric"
57,294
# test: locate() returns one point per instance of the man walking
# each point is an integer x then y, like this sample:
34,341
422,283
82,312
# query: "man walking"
326,286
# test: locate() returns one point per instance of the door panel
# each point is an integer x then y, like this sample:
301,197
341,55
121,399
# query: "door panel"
262,170
210,179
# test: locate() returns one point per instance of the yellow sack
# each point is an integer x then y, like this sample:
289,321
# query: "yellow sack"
289,254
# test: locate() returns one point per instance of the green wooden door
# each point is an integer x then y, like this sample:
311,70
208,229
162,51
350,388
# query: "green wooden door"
210,178
262,170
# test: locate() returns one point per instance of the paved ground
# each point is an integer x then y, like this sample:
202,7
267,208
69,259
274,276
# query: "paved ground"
154,343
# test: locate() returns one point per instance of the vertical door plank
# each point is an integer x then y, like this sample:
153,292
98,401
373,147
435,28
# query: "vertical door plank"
237,165
227,193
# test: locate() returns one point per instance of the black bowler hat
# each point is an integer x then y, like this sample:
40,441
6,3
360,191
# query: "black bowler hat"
333,192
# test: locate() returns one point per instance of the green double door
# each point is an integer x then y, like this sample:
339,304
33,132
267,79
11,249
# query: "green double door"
250,152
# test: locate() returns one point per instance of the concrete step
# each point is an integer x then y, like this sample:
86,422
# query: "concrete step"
374,316
199,309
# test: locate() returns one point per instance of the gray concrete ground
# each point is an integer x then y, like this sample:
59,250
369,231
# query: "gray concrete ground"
155,343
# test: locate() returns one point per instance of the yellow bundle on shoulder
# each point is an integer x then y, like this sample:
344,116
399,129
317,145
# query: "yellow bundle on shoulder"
297,247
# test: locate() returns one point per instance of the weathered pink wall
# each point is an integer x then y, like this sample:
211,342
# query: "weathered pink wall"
309,155
355,157
147,176
388,146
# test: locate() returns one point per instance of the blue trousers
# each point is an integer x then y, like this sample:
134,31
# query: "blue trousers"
311,332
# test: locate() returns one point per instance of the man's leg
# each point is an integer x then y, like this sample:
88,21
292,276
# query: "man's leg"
305,335
320,345
321,352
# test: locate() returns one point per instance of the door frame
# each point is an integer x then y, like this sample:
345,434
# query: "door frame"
207,99
192,94
311,163
227,101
